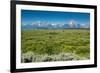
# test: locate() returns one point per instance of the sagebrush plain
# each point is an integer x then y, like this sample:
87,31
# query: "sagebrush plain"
46,45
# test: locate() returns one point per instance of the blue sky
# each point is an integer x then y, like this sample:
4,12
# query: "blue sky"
30,16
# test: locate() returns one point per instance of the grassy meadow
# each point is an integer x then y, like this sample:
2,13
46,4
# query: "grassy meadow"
43,45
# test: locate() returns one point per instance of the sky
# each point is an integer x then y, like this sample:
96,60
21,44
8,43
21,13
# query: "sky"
31,16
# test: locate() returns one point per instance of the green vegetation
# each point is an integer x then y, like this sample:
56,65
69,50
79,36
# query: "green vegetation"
43,45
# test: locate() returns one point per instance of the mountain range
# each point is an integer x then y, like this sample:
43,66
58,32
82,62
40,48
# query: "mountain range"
45,25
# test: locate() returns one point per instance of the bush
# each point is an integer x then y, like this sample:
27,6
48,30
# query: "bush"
31,57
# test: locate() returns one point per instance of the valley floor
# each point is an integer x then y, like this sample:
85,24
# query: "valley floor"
44,45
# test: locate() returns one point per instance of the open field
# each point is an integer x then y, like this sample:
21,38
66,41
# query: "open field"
44,45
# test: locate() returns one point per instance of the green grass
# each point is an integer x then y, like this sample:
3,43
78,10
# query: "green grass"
51,44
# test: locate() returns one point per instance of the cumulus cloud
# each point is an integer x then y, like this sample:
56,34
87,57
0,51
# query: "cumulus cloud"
72,23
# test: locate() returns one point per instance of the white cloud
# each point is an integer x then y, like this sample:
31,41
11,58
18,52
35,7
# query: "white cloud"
84,26
72,23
